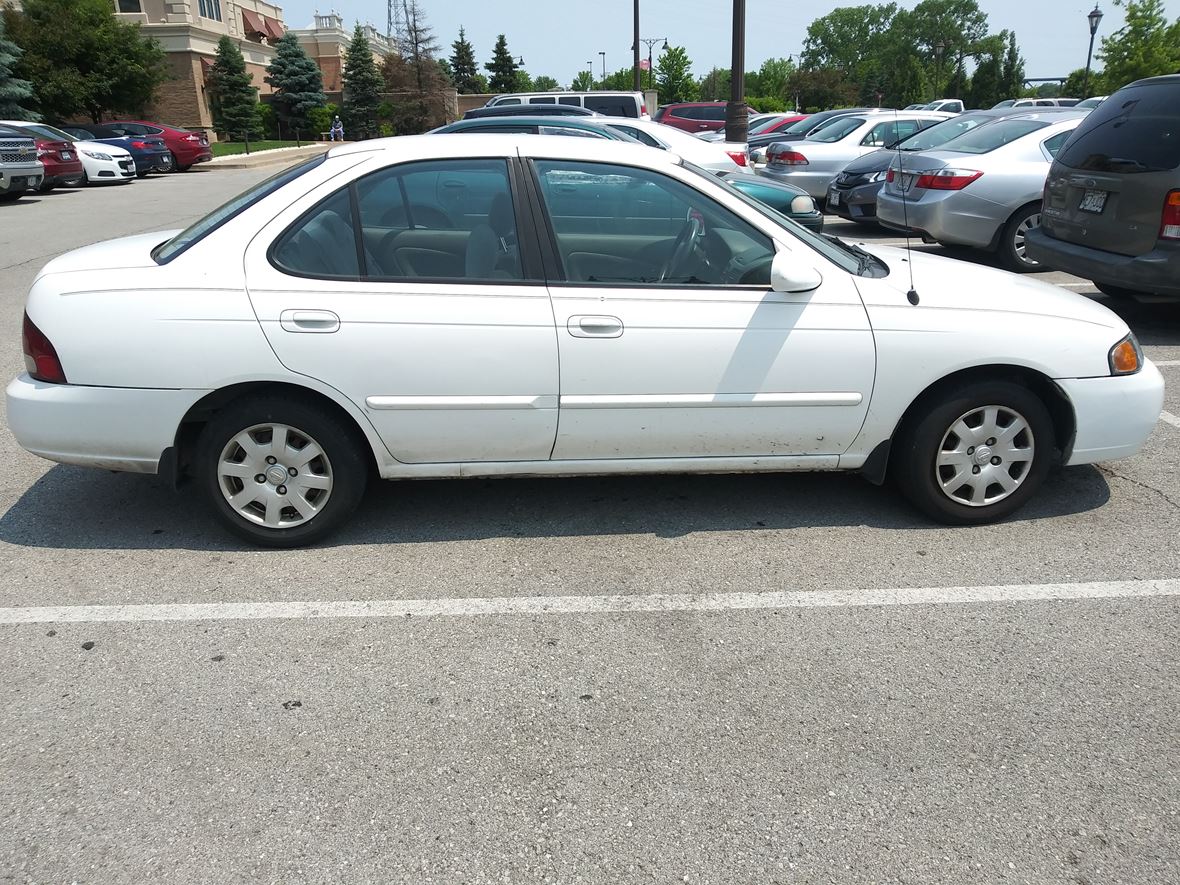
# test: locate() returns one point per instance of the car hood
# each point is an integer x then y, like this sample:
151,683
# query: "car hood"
942,283
133,251
877,161
112,149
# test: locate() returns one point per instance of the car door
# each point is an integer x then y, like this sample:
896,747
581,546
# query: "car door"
672,343
407,291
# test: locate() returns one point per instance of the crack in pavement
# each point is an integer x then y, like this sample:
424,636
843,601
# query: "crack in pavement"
1114,473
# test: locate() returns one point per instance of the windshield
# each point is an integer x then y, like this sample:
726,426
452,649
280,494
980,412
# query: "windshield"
941,133
837,129
983,139
166,251
50,132
829,250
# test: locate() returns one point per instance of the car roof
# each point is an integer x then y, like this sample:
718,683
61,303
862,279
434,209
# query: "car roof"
597,124
508,110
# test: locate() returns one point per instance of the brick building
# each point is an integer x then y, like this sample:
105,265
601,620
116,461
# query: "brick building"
326,40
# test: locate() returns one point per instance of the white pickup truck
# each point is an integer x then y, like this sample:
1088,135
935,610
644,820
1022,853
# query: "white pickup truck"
20,170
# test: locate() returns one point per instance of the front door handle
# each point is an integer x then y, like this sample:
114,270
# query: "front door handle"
595,327
318,321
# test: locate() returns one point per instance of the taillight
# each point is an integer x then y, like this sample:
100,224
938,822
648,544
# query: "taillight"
643,109
947,179
738,157
889,176
1170,223
786,158
193,137
140,144
41,360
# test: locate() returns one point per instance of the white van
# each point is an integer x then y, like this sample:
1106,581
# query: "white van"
612,104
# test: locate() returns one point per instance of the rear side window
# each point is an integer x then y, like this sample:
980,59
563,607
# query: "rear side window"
714,113
542,99
993,135
612,105
1136,130
639,135
570,100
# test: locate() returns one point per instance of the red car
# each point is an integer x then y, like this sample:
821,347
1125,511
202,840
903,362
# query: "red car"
62,166
187,147
694,116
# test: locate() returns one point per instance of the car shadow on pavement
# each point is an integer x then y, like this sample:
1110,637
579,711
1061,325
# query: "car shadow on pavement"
122,511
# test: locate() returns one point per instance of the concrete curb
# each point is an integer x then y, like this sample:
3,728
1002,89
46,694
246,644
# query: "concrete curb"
269,158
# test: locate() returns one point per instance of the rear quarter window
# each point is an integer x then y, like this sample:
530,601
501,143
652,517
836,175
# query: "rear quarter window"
1136,130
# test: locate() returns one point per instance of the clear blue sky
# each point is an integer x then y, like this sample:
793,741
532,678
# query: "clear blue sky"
558,37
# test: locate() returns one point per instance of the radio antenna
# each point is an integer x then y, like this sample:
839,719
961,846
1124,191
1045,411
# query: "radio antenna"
912,295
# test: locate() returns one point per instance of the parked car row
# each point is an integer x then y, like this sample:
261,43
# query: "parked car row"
109,153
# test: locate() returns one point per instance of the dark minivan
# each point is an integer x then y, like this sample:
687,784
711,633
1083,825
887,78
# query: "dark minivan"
1112,199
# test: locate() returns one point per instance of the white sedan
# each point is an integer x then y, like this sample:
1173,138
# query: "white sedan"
814,162
503,305
101,163
715,156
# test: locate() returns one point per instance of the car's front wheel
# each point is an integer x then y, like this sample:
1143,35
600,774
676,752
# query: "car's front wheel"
976,454
279,472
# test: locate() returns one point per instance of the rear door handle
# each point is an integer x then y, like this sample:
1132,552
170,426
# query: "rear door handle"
317,321
595,327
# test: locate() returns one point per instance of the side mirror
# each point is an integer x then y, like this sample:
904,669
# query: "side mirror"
788,274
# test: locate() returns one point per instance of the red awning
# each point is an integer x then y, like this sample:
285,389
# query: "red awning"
273,27
254,23
206,66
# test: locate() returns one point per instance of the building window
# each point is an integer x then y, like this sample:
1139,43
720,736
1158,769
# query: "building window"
130,6
211,9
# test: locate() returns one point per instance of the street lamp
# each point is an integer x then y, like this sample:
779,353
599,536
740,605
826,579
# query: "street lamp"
652,41
603,54
1095,18
938,48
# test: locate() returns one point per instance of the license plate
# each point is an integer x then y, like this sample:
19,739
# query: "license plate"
67,155
1093,201
834,197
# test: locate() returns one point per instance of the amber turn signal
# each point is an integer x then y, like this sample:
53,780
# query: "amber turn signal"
1124,357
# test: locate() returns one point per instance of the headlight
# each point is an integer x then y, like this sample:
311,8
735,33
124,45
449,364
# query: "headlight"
95,155
878,176
1126,358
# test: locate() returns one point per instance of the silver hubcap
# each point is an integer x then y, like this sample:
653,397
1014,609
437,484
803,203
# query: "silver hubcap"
1018,241
275,476
985,456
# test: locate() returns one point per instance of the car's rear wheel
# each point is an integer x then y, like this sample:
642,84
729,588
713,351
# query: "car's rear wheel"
976,454
280,473
1013,252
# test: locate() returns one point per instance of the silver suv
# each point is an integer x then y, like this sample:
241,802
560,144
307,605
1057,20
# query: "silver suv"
1112,199
20,170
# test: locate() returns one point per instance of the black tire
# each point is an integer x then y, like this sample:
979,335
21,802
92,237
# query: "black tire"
143,174
46,188
1011,249
344,461
914,459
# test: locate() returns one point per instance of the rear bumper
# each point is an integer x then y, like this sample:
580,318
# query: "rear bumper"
1116,415
1158,271
161,162
20,178
815,183
114,428
951,217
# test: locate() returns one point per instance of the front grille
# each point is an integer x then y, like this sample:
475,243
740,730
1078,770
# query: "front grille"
23,151
124,164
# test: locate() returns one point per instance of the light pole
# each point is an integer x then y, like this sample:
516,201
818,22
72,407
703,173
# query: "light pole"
938,48
603,54
736,116
635,47
1095,18
652,41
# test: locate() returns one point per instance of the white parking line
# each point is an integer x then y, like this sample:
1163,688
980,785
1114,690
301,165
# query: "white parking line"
569,605
1164,363
1170,419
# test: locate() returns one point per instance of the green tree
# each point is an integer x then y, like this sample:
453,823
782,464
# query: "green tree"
714,86
674,79
463,66
1076,85
623,79
16,95
583,82
502,67
905,82
543,83
1012,73
846,36
83,60
362,88
235,98
446,72
298,84
985,90
1145,46
822,89
419,46
771,78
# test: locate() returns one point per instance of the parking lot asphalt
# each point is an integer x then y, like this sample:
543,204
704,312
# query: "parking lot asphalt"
731,679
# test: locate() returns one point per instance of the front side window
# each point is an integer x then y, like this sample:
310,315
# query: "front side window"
542,100
623,226
508,101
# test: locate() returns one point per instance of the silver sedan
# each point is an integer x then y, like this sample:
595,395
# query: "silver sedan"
982,189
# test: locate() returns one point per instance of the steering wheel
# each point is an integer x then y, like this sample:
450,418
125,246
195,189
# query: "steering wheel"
685,244
424,216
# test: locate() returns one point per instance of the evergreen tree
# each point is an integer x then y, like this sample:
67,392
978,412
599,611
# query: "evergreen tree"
714,86
674,76
1012,72
298,83
83,60
362,88
235,100
420,47
463,65
16,95
502,67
